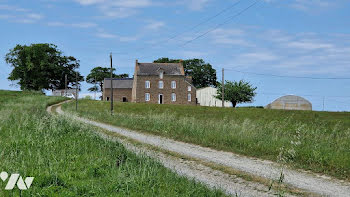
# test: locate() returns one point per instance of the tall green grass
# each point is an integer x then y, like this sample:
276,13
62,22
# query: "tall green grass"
69,159
322,145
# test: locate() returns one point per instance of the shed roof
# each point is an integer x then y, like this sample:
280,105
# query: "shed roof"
156,68
292,98
123,83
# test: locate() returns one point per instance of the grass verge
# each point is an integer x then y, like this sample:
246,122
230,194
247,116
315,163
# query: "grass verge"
69,159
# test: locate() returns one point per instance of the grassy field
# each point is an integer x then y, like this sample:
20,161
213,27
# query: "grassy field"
316,141
69,159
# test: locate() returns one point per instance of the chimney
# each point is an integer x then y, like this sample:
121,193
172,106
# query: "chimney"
182,66
136,62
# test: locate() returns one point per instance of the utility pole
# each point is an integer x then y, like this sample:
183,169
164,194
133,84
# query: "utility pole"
95,89
65,85
76,91
223,88
323,103
111,84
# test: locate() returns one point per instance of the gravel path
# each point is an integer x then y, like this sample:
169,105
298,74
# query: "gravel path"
310,182
230,184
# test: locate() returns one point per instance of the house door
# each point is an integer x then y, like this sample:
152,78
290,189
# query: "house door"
124,100
160,99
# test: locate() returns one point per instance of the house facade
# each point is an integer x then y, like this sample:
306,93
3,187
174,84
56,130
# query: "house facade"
157,83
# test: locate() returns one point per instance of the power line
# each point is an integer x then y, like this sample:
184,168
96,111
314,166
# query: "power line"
216,27
189,29
209,19
289,76
309,95
221,24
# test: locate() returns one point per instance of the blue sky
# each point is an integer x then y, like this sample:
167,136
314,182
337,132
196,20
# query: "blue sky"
304,38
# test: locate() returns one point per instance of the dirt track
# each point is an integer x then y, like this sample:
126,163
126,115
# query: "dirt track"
320,185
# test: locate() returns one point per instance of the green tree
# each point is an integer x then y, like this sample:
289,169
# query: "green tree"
203,74
97,76
42,66
237,92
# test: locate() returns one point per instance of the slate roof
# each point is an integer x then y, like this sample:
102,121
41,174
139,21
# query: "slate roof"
124,83
154,68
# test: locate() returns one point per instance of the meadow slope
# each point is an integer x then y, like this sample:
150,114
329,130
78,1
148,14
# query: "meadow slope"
69,159
316,141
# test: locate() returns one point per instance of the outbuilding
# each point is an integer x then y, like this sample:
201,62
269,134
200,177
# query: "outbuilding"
290,102
207,97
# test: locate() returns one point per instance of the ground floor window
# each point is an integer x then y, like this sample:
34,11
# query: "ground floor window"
147,97
173,97
189,97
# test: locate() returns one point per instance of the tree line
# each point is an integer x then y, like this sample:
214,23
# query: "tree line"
44,67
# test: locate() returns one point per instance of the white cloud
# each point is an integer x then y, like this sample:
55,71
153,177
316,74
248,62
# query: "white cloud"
155,25
306,5
5,16
89,2
117,8
196,4
229,37
19,15
112,12
308,45
310,4
228,32
102,34
301,54
259,56
105,35
77,25
192,54
276,36
35,16
84,25
132,3
27,19
13,8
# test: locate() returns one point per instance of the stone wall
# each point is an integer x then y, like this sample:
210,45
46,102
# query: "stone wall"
181,90
118,94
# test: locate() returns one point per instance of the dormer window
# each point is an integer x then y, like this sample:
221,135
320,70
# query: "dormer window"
161,74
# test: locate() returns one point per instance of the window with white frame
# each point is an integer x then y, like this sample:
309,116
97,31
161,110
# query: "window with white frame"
173,84
173,97
147,97
161,75
189,97
147,84
189,88
161,85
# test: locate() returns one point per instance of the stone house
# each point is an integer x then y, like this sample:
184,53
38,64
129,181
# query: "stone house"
162,83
